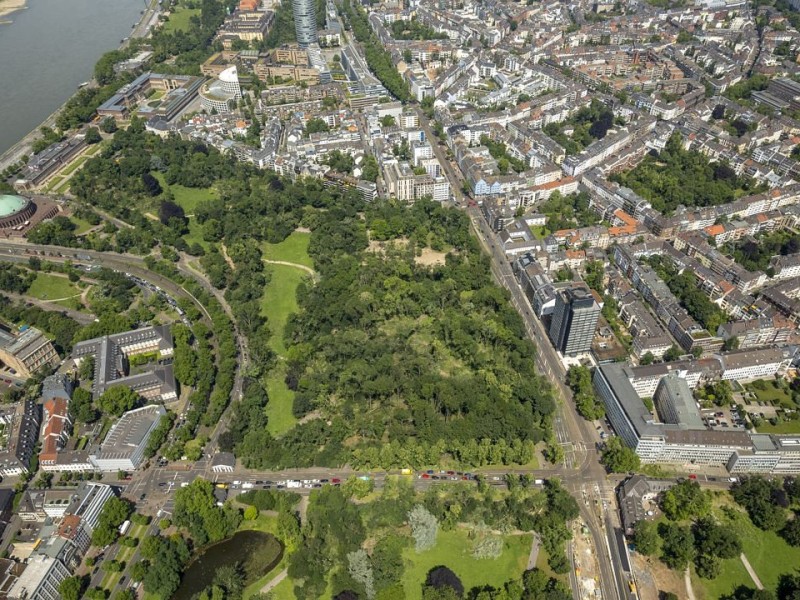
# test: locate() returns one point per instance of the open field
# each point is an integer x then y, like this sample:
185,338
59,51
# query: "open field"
187,198
81,226
196,234
55,181
283,591
50,287
293,249
179,19
783,427
733,575
279,301
453,550
63,187
281,398
772,395
768,553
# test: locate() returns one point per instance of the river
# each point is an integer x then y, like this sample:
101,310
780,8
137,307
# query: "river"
48,50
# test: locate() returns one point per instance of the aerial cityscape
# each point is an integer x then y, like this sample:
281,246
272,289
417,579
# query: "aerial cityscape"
400,300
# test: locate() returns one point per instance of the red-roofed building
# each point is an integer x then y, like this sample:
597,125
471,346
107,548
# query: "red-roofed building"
56,430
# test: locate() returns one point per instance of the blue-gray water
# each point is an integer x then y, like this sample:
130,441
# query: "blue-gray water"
48,50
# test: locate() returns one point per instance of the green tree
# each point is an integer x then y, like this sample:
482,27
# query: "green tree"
369,169
646,538
619,458
677,548
108,125
707,566
92,136
763,499
686,500
117,400
791,531
673,353
86,370
424,528
713,539
71,588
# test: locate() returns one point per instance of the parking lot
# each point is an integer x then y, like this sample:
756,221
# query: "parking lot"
723,418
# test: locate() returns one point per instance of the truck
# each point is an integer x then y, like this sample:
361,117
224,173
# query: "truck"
247,485
123,529
293,483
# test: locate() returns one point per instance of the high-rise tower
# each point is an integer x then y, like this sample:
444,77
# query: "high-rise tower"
574,320
305,22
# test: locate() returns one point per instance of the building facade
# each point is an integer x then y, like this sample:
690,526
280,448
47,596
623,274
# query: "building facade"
574,321
305,22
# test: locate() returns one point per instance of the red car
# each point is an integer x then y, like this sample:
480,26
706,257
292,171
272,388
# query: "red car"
692,476
425,476
335,480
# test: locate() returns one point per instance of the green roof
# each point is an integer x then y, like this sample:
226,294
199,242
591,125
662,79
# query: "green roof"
10,205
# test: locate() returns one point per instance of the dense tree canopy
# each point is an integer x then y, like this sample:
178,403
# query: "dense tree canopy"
684,177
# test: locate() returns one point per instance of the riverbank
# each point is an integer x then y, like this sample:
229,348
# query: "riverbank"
10,6
24,145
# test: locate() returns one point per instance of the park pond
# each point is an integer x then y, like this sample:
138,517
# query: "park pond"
255,551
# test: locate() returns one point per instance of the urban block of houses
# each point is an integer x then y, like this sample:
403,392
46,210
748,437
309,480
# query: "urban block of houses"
112,354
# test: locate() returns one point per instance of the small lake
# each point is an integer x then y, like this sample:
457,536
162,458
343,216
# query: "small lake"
256,551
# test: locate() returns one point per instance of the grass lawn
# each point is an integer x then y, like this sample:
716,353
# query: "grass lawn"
278,302
50,287
196,234
767,552
453,550
773,395
733,575
283,591
539,232
81,225
71,304
293,249
783,427
55,181
63,187
179,19
75,164
187,198
265,523
279,408
255,588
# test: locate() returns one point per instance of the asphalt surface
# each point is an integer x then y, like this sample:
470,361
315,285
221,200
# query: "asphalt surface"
581,472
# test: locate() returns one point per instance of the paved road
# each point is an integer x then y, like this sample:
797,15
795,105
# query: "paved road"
574,434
